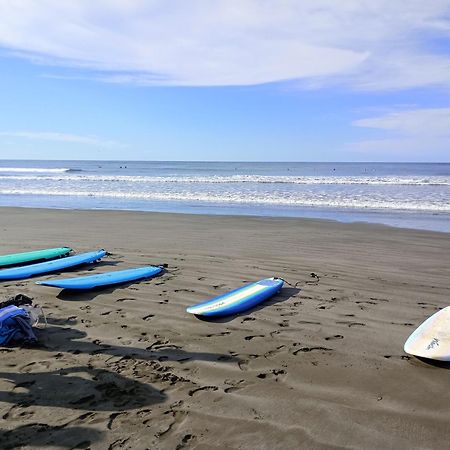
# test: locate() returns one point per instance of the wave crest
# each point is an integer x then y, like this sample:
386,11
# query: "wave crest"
234,179
238,198
34,169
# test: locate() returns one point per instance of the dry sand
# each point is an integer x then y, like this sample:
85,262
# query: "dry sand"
321,366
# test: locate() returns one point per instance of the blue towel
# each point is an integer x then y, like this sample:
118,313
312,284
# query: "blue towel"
15,326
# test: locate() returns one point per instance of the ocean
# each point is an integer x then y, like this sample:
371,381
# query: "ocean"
412,195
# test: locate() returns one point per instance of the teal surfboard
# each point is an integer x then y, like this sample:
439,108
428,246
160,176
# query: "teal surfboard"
17,273
103,279
15,259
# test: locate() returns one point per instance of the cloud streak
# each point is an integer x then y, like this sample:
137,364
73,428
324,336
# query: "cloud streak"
419,132
425,121
361,43
62,137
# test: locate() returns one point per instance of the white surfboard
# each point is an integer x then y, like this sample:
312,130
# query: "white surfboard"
432,339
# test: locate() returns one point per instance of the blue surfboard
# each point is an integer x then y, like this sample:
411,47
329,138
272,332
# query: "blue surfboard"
103,279
17,273
238,300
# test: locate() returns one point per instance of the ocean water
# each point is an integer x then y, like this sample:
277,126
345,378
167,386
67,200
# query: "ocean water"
397,194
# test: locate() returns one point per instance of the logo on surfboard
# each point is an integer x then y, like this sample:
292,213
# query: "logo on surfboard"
433,343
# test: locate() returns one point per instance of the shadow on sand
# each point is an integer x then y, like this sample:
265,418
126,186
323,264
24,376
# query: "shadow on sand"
79,388
39,435
68,340
435,363
95,389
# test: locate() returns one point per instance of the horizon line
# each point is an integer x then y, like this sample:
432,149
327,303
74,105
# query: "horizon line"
230,162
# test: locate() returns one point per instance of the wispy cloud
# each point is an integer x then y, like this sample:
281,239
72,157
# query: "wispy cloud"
62,137
368,45
425,121
413,131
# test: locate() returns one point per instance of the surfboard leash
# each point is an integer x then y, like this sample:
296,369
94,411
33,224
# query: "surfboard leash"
289,284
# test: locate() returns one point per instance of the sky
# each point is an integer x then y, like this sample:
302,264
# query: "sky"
225,80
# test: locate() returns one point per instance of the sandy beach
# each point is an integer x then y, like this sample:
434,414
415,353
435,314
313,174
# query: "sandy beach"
319,366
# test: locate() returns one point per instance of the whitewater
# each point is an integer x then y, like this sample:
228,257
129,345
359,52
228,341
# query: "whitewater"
413,195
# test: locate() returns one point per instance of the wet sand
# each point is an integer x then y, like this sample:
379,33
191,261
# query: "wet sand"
318,366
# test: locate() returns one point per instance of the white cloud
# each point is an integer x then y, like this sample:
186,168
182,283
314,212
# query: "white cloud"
381,44
425,122
417,132
61,137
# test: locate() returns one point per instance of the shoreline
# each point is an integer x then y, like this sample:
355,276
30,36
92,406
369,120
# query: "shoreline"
237,216
319,366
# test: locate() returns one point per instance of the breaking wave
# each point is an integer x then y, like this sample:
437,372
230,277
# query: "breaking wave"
233,179
253,198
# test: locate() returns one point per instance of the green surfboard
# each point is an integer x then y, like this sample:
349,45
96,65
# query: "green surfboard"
37,255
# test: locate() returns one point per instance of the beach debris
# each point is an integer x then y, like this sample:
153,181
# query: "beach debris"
315,279
17,300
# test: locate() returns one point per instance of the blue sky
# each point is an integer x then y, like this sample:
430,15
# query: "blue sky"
225,80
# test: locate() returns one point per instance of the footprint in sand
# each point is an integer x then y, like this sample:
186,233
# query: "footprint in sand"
270,353
87,323
426,305
352,324
234,385
249,338
246,319
187,438
367,302
148,317
223,333
274,373
203,388
112,418
242,364
311,349
18,412
336,336
36,366
379,299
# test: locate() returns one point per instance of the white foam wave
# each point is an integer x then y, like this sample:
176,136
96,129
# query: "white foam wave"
33,170
257,179
239,198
